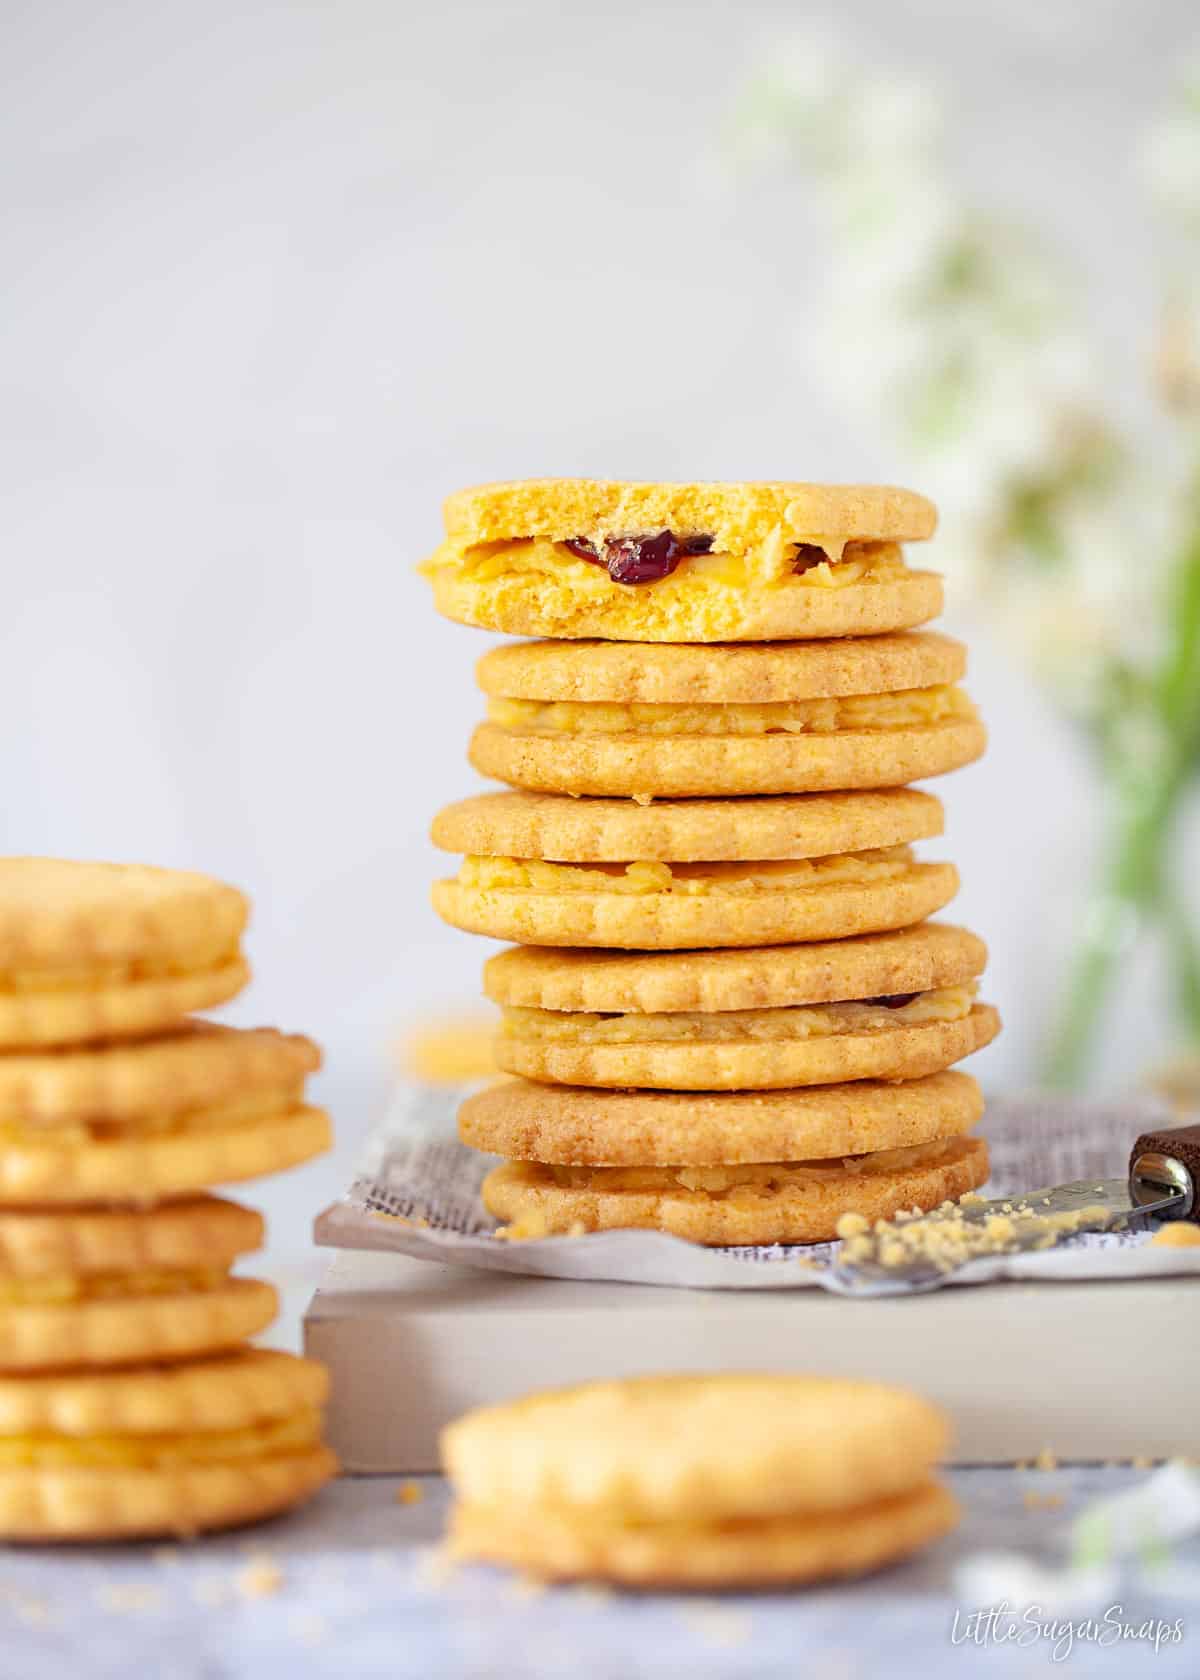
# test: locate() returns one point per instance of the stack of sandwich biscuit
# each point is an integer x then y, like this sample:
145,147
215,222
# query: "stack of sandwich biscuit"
728,1013
130,1403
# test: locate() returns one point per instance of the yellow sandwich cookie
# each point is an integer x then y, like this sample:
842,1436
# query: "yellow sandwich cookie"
750,1049
658,1481
776,1017
765,719
689,874
101,951
577,558
777,1202
130,1123
565,1126
176,1450
110,1286
916,959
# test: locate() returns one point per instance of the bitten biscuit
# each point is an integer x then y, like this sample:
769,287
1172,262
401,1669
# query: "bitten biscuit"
94,951
574,558
657,1481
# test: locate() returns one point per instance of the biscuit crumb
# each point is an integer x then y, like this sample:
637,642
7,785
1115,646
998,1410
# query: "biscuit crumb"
852,1225
260,1578
165,1555
409,1493
1046,1460
1177,1234
1043,1501
1143,1461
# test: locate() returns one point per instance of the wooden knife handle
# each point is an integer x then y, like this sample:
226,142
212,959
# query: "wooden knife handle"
1172,1143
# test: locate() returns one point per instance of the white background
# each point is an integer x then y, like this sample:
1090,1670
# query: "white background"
279,276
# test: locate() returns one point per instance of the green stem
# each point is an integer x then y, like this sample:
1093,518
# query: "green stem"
1151,770
1185,960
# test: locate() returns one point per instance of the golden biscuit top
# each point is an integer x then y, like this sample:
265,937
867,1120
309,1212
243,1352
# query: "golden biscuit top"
555,827
55,913
198,1066
715,674
737,517
730,1445
233,1391
916,959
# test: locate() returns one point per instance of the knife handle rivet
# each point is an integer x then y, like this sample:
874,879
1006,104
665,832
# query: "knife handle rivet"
1154,1175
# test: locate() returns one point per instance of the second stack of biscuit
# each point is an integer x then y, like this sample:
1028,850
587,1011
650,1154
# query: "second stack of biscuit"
728,1014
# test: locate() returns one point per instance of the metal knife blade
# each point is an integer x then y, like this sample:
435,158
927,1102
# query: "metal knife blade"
923,1252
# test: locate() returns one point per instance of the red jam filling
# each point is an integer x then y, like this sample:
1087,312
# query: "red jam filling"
644,559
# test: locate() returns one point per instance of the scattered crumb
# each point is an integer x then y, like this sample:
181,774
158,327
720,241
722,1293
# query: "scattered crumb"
716,1625
128,1597
1045,1460
1143,1462
1043,1501
949,1237
528,1228
1022,1464
165,1556
1178,1234
409,1493
260,1578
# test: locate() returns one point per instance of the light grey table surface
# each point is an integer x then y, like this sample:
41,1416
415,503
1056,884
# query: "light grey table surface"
359,1592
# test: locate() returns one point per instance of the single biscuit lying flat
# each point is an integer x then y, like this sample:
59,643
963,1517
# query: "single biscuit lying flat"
545,870
110,1286
126,1454
572,1127
100,950
579,558
838,1016
780,1202
765,719
659,1481
162,1117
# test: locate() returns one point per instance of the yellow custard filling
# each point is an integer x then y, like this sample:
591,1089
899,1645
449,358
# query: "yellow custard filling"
763,1178
691,880
772,564
96,975
242,1111
274,1439
908,709
948,1003
109,1286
